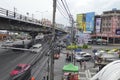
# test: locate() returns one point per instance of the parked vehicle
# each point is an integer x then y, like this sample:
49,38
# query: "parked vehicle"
81,56
98,41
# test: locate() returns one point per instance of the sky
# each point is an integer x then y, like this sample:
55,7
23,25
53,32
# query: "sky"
44,8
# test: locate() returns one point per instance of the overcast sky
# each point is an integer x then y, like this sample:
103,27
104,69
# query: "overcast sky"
43,8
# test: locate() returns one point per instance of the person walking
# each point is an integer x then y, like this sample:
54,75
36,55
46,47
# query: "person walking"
43,78
80,64
84,64
69,76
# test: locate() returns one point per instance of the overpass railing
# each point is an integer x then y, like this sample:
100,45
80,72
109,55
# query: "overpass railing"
14,15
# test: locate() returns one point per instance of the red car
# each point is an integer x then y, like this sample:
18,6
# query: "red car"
20,68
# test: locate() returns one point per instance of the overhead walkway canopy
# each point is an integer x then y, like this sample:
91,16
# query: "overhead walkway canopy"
109,72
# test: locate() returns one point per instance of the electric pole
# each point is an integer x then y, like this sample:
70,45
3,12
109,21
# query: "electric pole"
53,39
72,35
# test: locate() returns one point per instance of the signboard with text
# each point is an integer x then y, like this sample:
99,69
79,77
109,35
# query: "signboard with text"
117,31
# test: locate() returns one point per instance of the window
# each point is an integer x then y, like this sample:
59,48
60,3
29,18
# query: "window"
18,68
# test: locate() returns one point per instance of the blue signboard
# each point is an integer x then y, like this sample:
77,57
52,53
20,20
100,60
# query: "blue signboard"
90,21
117,31
78,50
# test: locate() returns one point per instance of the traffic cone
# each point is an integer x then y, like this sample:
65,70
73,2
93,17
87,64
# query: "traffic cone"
32,78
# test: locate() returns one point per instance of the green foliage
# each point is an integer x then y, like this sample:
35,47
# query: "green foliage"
85,46
73,46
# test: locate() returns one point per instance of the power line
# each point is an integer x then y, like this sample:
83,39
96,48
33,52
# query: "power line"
67,6
67,10
61,12
58,3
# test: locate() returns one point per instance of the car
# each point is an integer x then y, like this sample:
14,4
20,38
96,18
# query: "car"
36,48
102,41
92,41
87,56
7,43
81,56
20,68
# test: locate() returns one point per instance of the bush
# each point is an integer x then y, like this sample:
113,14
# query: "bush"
85,46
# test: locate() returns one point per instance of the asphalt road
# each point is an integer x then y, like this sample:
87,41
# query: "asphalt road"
9,59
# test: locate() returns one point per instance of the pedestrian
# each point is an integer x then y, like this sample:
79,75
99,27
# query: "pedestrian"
94,51
80,63
43,78
69,76
67,54
84,64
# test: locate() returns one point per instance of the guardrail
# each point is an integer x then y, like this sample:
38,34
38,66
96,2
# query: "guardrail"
17,16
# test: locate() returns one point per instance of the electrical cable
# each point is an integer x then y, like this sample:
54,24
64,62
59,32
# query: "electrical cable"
65,8
61,12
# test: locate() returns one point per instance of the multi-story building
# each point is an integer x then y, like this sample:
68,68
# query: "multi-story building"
46,22
110,22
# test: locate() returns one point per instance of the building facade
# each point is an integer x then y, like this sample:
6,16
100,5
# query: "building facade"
106,26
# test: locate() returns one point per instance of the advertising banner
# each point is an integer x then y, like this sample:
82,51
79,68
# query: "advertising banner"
90,21
80,21
97,25
117,31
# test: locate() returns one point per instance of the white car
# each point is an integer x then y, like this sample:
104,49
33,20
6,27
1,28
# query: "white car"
7,43
36,48
83,56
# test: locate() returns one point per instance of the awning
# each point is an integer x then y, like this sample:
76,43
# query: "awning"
70,68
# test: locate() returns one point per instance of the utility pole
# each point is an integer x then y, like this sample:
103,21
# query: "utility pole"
72,36
53,39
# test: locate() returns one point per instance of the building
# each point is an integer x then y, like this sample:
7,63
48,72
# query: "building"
106,26
46,22
59,25
3,35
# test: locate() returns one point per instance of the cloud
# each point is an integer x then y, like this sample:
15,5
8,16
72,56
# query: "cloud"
75,6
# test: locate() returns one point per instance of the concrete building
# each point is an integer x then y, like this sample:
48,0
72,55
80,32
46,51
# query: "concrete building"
3,35
110,22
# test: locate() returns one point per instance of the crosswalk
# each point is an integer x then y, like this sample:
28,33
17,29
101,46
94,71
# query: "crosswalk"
88,74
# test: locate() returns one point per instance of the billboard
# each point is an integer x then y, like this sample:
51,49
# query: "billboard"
80,21
90,21
117,31
97,25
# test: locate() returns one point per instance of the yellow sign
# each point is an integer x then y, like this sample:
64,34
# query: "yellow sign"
81,22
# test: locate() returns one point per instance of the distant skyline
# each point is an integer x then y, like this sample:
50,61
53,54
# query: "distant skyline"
43,8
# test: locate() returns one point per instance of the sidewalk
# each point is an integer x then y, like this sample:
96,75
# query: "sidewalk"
58,67
114,44
58,73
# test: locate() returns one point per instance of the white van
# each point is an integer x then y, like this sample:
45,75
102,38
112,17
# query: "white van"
36,48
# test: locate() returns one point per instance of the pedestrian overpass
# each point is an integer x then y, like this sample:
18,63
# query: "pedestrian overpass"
13,21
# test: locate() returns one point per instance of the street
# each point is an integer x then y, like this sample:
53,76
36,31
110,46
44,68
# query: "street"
9,59
58,73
